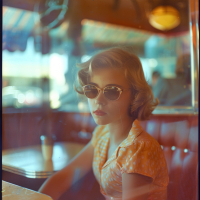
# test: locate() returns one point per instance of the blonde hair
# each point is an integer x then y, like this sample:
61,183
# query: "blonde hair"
121,58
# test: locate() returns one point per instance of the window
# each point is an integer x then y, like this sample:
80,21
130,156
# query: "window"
39,65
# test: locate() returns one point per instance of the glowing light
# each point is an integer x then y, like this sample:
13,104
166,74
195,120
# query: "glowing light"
173,148
55,104
8,90
54,99
185,150
153,62
21,98
58,66
29,96
81,105
28,58
54,95
164,18
83,21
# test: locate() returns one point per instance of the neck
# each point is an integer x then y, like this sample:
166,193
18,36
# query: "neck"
119,130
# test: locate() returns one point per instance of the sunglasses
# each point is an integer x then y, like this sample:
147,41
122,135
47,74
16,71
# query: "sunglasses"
110,92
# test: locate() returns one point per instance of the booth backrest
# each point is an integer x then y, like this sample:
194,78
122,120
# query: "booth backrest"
179,139
178,136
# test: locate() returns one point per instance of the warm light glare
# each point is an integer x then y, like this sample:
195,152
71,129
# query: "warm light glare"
55,104
54,95
58,67
22,64
164,18
29,96
21,98
153,62
81,105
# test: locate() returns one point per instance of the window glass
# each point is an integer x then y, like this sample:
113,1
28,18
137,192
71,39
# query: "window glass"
40,67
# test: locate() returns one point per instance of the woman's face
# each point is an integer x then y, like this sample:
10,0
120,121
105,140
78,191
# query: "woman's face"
113,111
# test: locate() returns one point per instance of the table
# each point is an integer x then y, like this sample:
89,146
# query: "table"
29,162
15,192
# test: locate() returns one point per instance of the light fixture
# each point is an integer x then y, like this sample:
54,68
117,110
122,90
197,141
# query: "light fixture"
164,18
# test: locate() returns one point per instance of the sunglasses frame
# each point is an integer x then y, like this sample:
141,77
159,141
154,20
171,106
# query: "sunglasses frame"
99,89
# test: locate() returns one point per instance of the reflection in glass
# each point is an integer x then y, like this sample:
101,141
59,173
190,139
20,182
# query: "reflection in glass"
159,54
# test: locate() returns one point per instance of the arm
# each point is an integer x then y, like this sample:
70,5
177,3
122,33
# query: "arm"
59,182
135,186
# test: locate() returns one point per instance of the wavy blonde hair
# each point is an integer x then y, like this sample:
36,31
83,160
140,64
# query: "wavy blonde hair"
123,59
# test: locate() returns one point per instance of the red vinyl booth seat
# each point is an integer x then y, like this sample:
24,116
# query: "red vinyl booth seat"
178,136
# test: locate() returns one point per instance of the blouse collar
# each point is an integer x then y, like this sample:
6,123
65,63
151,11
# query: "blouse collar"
135,131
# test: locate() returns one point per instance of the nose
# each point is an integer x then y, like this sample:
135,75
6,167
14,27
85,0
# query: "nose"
100,99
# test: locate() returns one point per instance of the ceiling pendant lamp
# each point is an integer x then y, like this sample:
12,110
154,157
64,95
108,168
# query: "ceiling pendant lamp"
164,18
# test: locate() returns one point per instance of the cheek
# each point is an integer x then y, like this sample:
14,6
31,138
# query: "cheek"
123,106
122,109
119,108
90,103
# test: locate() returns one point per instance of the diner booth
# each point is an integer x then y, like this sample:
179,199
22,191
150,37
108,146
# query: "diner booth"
42,42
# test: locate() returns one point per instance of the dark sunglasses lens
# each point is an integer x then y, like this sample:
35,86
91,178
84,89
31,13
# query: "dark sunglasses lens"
112,93
90,91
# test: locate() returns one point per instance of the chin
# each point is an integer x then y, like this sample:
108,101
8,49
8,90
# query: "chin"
100,121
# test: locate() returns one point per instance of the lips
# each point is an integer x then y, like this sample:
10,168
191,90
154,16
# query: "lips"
99,113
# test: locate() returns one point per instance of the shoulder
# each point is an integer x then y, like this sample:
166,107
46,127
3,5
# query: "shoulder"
147,140
144,156
143,142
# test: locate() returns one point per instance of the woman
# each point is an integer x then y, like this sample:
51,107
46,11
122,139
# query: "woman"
127,162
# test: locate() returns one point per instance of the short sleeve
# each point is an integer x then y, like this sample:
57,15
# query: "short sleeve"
96,134
145,158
